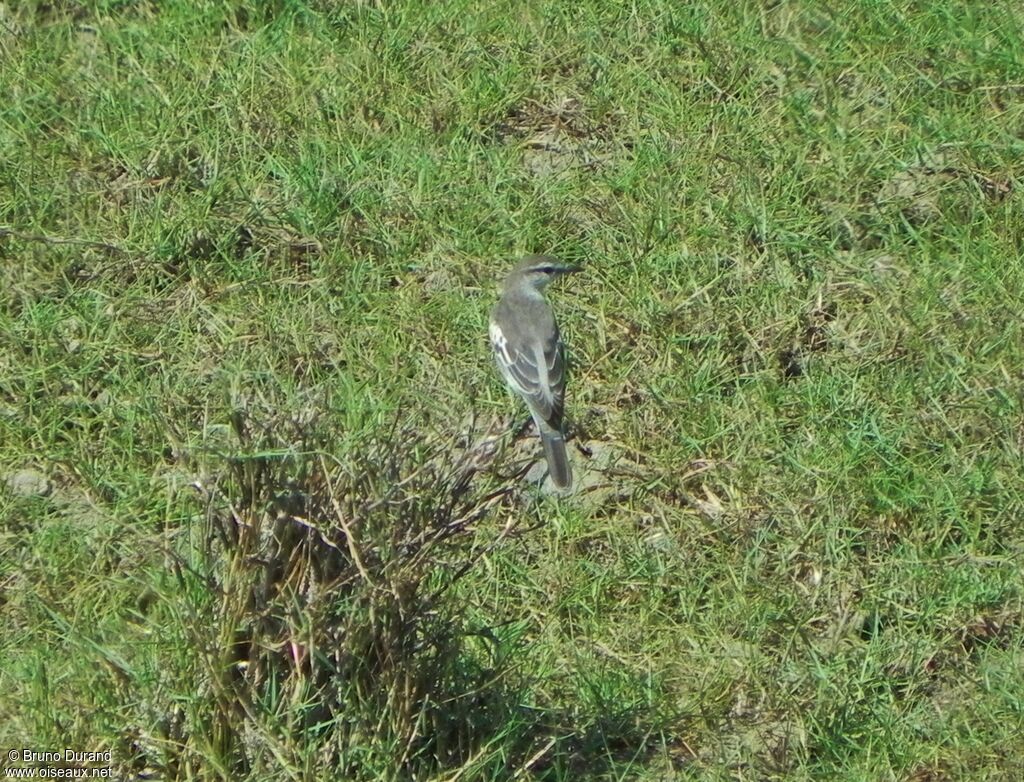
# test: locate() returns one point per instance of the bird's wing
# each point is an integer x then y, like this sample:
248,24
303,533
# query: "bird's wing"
536,372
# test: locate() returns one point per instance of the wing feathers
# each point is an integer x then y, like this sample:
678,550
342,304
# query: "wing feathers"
536,372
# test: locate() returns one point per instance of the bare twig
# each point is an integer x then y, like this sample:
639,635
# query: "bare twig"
60,240
353,548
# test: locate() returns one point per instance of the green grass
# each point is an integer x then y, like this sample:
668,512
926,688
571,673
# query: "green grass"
247,252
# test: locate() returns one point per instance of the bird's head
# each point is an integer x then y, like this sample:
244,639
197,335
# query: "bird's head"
539,270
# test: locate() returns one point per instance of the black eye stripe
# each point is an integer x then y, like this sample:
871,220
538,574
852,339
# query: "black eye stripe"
550,269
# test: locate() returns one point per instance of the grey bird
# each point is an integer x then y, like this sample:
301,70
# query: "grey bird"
531,356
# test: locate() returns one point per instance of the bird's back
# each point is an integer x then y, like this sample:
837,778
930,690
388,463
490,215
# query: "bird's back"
530,353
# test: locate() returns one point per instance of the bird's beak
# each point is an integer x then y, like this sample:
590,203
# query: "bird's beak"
571,268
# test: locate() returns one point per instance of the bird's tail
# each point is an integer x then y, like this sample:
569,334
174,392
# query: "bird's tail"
557,458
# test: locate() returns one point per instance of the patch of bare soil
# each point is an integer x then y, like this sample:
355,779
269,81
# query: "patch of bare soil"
558,137
918,189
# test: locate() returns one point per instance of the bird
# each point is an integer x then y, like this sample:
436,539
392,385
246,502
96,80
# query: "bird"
530,353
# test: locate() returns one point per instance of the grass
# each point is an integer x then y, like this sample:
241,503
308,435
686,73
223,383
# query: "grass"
247,252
